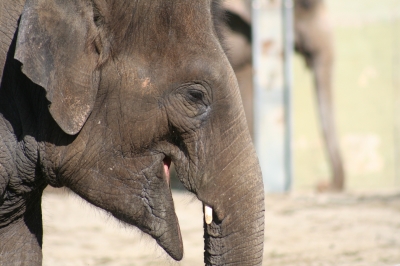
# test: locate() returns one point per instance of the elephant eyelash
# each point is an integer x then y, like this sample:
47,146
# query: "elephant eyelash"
196,96
198,93
98,18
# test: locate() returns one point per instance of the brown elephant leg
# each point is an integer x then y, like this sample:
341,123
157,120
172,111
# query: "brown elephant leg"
314,40
322,69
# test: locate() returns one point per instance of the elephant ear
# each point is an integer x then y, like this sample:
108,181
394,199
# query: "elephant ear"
55,45
10,10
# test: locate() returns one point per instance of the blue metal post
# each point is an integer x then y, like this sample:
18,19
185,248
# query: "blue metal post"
271,94
288,40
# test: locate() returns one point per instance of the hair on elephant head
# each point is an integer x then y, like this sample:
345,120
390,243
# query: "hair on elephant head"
100,97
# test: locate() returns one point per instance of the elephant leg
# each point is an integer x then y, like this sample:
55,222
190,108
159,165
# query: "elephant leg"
21,241
323,71
314,41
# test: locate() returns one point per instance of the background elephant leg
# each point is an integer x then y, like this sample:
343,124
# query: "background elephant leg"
323,71
314,40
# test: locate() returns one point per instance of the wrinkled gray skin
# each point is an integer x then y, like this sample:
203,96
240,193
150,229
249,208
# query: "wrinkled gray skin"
99,96
314,41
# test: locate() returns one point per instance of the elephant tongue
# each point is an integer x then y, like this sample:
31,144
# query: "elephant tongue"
167,164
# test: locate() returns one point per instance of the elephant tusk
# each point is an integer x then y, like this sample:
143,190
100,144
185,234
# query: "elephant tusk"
208,214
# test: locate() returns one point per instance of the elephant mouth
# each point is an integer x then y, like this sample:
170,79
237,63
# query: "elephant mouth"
167,165
174,154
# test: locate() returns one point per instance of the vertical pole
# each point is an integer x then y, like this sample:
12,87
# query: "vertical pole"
268,92
288,40
396,99
272,94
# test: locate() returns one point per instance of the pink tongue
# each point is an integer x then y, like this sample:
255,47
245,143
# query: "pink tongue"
167,163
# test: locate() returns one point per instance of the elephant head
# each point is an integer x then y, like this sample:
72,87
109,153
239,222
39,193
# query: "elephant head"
111,93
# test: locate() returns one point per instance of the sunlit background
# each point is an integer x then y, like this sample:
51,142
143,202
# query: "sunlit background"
367,99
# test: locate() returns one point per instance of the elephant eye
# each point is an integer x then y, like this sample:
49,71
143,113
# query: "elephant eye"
194,100
195,96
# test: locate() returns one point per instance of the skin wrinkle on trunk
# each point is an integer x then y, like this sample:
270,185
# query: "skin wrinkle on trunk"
229,254
221,230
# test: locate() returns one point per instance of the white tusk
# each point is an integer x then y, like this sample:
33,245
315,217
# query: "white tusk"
208,214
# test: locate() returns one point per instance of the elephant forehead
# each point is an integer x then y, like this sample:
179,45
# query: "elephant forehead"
153,76
153,26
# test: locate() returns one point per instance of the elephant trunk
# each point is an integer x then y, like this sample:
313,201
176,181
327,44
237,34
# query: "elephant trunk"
236,195
237,238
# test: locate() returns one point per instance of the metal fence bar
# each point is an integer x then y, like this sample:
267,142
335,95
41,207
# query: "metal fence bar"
268,92
288,43
272,93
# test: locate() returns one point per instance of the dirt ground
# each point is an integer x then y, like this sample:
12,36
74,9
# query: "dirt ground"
301,229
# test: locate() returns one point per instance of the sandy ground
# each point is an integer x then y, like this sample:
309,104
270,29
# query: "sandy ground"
301,229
